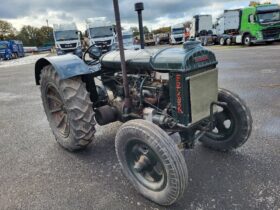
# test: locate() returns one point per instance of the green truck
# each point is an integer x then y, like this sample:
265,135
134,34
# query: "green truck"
254,24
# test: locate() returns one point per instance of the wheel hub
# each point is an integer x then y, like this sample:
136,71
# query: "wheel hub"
224,124
145,165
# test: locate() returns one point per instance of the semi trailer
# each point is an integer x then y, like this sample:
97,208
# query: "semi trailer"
254,24
201,25
67,39
202,29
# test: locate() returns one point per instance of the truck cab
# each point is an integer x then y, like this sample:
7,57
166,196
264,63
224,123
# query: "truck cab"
11,49
261,22
67,39
254,24
177,34
100,32
128,40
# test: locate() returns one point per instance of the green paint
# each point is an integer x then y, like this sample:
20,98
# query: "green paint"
255,28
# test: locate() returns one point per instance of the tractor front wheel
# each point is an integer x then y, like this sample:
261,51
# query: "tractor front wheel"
151,160
68,108
232,126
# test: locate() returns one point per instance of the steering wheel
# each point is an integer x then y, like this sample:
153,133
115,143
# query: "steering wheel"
92,55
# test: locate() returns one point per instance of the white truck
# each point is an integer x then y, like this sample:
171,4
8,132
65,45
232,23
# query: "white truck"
100,32
202,29
67,39
177,34
201,25
128,40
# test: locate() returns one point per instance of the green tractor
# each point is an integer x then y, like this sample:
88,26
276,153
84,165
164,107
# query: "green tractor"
167,99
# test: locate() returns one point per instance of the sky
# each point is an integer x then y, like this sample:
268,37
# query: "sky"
157,13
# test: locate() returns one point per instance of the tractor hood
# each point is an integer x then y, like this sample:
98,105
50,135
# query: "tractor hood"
189,58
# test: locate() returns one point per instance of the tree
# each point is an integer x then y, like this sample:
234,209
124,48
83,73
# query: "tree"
30,36
162,30
7,31
135,31
187,24
46,35
146,30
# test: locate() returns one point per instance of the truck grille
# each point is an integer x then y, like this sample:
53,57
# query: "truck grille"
106,42
203,91
272,33
179,39
65,46
68,51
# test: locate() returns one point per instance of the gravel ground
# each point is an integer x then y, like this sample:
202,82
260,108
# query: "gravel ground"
28,59
38,174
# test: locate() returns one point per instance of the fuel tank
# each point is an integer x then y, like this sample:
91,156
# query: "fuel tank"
192,56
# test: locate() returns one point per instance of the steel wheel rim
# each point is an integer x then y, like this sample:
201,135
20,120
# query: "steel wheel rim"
145,165
57,110
224,125
247,40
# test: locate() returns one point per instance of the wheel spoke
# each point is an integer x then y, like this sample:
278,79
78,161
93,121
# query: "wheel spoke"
65,128
155,175
57,109
54,98
62,119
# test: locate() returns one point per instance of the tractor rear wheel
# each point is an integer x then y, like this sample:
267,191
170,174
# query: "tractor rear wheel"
151,160
232,126
68,109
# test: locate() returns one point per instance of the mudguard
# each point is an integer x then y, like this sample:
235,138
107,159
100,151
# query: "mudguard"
67,66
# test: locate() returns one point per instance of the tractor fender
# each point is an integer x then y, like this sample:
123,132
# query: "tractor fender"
66,66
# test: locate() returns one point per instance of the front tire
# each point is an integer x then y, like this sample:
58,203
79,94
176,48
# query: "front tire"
68,109
247,40
151,160
233,125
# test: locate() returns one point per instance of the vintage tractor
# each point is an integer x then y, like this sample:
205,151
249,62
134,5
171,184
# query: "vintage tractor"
167,99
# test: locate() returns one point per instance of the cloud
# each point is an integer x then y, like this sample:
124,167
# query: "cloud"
157,12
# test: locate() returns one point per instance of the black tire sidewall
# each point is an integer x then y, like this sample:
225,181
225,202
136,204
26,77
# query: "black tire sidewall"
248,36
242,119
222,41
71,143
65,142
123,138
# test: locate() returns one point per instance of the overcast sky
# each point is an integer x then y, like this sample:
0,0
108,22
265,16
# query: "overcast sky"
157,13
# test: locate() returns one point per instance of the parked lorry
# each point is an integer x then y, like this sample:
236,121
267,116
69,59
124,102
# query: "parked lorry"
254,24
149,39
11,49
128,40
100,32
202,29
67,39
162,38
201,26
177,34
